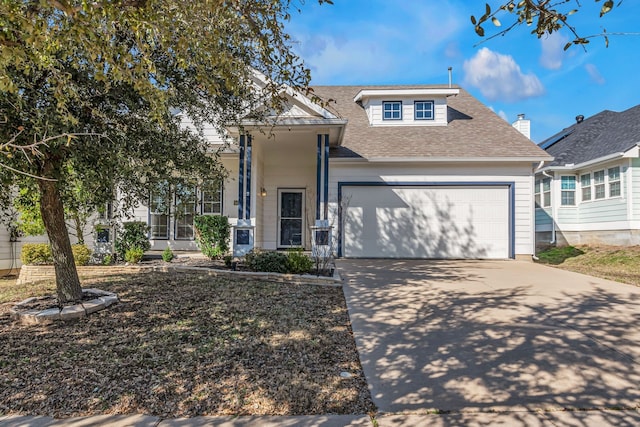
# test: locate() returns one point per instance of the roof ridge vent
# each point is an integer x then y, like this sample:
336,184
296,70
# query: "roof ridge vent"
579,118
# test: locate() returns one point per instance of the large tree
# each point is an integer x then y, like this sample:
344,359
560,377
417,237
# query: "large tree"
90,90
543,17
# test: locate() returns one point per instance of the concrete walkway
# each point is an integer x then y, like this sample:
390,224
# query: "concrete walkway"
516,339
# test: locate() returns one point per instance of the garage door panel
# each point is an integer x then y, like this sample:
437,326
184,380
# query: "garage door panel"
426,222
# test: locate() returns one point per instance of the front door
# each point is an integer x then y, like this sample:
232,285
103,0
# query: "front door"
290,218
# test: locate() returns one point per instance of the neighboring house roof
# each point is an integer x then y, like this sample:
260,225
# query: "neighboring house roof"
599,136
474,132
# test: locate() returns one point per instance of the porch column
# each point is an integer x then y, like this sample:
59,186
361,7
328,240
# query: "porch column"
243,231
321,238
322,178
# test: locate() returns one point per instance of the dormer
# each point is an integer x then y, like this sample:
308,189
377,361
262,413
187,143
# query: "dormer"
406,107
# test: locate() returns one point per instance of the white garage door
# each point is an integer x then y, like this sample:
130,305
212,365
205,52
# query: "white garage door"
426,222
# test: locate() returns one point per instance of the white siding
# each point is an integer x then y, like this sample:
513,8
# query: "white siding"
374,112
520,174
291,165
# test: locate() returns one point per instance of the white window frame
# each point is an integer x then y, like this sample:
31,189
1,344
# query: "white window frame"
214,189
586,186
422,110
542,197
597,184
618,181
183,211
392,110
159,207
568,191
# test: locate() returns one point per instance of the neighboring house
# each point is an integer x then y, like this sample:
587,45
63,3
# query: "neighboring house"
590,192
393,172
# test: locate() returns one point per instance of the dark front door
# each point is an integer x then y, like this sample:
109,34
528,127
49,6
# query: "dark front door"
290,218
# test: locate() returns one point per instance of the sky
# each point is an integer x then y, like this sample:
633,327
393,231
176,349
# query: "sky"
375,42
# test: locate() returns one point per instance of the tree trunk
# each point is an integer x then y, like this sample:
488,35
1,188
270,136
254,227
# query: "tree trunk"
79,226
52,211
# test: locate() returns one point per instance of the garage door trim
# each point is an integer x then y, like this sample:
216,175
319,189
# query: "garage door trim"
509,184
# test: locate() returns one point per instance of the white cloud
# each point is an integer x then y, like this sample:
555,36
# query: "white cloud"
594,74
503,115
499,77
553,52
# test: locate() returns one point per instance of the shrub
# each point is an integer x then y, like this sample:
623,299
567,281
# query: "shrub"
268,261
107,260
134,234
40,253
298,262
36,253
167,254
133,255
81,254
212,235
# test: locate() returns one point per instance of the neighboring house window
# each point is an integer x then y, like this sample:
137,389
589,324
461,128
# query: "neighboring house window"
614,181
542,190
423,110
212,200
598,180
568,190
392,110
185,211
585,183
159,213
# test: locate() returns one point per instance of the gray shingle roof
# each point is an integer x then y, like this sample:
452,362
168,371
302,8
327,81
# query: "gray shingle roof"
473,131
605,133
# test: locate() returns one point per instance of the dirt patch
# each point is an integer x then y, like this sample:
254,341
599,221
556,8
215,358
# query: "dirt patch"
183,345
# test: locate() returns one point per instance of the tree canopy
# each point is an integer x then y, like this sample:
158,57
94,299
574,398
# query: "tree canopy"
543,16
90,93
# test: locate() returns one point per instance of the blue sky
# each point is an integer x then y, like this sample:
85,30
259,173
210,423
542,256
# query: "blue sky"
362,42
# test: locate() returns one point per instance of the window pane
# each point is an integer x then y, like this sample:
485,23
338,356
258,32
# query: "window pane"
185,211
536,187
600,191
537,199
568,182
585,180
547,199
159,212
586,193
614,174
392,110
568,198
546,184
423,110
212,200
598,177
614,189
291,205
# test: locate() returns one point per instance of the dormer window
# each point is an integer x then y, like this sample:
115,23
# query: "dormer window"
423,110
392,110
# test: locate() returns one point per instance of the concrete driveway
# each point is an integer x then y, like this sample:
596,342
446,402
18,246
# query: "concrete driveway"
484,336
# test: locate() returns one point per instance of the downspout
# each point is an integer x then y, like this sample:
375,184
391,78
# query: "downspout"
553,221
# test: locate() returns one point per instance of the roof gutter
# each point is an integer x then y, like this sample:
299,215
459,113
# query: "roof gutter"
571,167
456,159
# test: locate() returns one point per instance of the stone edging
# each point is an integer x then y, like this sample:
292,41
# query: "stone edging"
34,273
104,299
299,279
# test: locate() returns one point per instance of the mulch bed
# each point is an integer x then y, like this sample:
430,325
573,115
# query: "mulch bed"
183,345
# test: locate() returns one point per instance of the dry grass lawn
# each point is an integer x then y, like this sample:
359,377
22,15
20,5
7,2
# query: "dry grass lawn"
183,345
619,263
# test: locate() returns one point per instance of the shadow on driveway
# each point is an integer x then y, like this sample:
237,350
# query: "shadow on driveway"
492,336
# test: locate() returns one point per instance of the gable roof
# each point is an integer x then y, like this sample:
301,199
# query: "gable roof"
601,135
474,132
